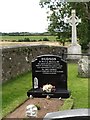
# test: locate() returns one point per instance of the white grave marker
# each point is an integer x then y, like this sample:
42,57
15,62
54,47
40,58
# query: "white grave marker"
74,49
31,111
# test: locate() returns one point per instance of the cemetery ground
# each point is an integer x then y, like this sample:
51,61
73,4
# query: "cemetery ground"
14,91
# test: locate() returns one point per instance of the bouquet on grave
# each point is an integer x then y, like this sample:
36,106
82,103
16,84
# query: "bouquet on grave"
48,88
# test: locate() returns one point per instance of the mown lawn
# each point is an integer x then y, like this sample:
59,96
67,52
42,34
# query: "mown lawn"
78,87
14,91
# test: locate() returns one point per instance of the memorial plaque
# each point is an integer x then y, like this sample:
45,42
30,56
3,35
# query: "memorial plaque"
49,69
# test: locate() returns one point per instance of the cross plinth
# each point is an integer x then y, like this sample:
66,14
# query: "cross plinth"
73,21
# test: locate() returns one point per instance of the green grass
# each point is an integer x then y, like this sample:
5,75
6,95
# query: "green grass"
78,87
14,91
68,104
9,38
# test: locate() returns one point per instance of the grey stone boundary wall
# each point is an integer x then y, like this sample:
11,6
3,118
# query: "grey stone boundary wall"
17,60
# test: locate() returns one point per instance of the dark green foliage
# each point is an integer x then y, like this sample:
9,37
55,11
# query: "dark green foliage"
40,40
26,40
13,40
20,40
62,37
45,39
59,11
57,26
33,40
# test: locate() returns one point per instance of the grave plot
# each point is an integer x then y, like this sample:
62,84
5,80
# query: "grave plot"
49,77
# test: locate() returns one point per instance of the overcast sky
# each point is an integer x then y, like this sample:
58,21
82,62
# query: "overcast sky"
22,16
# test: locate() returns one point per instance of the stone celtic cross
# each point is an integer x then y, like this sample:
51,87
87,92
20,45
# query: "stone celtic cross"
73,21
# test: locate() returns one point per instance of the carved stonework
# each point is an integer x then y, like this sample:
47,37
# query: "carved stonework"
74,50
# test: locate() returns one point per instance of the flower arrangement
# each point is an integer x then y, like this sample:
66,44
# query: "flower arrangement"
48,88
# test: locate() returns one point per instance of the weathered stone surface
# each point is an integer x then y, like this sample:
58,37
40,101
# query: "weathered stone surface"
83,66
17,60
74,51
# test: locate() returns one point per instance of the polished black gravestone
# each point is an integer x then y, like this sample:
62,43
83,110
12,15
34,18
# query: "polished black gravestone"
49,69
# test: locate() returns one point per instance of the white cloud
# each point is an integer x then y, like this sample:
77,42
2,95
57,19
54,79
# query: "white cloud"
22,16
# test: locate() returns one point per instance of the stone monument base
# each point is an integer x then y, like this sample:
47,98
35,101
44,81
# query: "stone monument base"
74,51
41,94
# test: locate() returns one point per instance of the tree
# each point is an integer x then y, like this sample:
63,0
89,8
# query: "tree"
59,10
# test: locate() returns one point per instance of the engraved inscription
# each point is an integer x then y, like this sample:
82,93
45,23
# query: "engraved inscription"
48,66
49,69
48,94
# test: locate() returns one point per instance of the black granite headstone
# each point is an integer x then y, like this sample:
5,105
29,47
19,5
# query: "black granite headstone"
49,69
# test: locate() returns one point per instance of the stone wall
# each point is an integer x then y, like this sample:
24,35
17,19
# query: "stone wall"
17,60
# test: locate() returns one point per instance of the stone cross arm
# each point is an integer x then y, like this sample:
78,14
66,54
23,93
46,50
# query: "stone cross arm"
73,19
